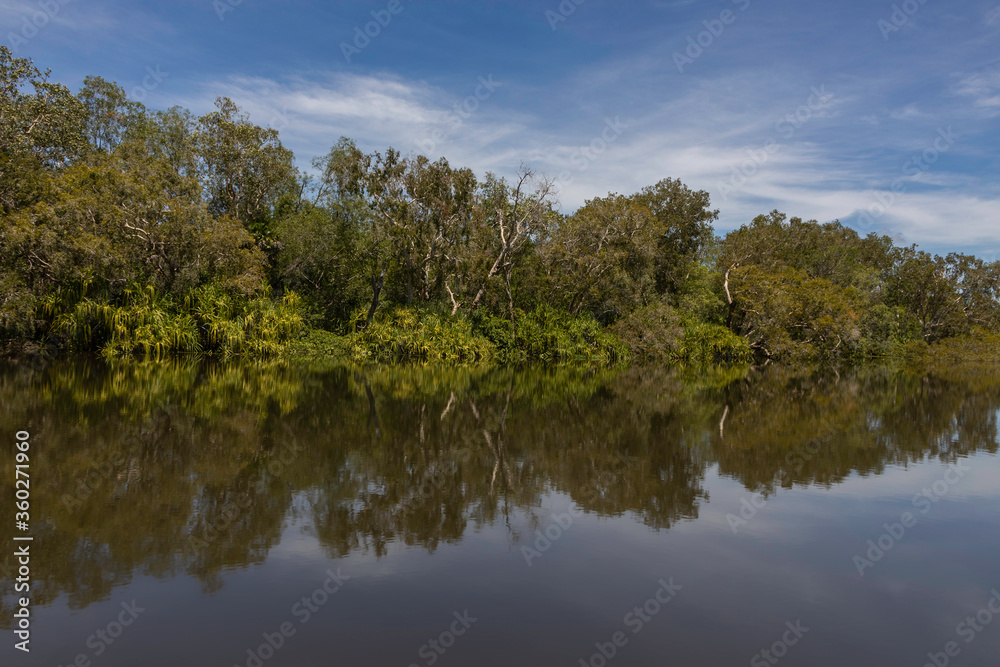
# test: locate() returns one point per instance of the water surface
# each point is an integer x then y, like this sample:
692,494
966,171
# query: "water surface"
503,517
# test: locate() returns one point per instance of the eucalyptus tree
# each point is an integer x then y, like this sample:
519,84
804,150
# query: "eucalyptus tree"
242,166
41,129
509,219
111,115
170,136
928,290
784,313
420,216
114,221
830,251
685,222
600,259
978,285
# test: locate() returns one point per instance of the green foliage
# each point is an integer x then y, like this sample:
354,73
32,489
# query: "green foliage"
701,296
600,259
956,355
707,343
111,116
318,261
39,120
653,333
684,227
255,326
551,335
829,251
787,314
143,323
243,166
659,334
410,334
154,233
886,330
545,334
932,290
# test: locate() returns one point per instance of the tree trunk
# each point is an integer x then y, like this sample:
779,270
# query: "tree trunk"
376,290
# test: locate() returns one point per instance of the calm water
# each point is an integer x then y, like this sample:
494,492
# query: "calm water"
259,515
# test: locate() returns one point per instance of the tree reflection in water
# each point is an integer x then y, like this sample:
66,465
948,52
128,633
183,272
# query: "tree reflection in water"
183,467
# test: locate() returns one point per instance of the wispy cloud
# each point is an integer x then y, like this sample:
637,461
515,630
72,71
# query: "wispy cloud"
983,90
700,137
75,15
560,90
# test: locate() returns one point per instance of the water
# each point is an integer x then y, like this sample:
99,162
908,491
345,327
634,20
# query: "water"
259,514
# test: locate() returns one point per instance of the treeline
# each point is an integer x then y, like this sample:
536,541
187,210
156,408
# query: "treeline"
140,232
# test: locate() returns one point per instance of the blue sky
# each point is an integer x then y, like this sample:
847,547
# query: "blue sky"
883,115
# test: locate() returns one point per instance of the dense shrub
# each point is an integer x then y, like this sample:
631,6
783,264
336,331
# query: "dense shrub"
547,334
713,343
653,333
210,320
406,334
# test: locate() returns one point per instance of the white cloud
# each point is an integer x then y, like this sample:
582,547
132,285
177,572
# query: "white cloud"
908,112
984,90
699,136
16,14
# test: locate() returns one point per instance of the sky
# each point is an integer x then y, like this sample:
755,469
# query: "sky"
883,115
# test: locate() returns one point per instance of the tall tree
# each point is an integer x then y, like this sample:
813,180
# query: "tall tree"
41,128
599,258
508,220
111,116
685,219
242,166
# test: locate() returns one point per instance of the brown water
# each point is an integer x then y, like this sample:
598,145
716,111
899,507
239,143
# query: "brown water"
186,514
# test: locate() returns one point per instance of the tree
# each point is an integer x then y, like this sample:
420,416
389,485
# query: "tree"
111,116
508,219
685,222
830,251
242,167
978,285
420,212
599,258
320,258
787,314
41,128
927,287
